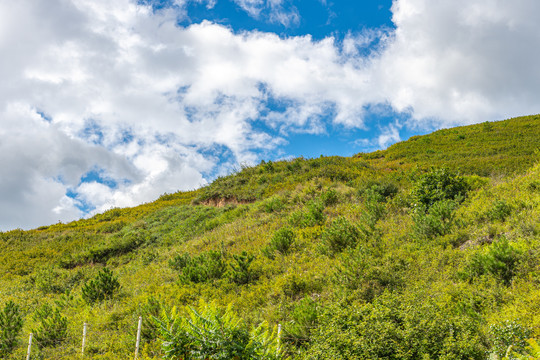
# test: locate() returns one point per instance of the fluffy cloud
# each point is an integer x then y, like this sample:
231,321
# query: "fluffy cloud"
462,61
117,89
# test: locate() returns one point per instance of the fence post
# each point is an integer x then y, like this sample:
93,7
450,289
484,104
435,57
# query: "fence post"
138,338
278,350
83,339
29,347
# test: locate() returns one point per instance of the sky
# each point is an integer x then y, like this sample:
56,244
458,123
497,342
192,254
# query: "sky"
112,103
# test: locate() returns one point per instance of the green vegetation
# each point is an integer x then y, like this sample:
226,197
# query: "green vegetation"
427,250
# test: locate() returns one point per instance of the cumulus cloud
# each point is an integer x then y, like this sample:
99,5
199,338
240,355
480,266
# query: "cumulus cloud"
462,61
120,89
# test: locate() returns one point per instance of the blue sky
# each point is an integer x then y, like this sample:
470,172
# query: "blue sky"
111,104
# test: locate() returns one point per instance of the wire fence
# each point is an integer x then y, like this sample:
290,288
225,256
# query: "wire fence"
34,346
54,345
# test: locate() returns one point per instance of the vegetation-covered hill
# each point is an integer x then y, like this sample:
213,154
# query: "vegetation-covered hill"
427,250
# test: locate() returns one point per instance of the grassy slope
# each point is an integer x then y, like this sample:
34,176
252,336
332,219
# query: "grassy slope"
41,266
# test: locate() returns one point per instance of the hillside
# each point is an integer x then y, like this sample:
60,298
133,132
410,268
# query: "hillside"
426,250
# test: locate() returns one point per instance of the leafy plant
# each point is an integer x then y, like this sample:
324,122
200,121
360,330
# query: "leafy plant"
438,220
210,333
437,185
304,320
11,323
500,211
52,330
280,243
508,334
500,260
202,268
241,272
102,287
341,234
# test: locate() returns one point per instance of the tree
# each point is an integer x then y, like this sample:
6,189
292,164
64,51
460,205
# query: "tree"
11,324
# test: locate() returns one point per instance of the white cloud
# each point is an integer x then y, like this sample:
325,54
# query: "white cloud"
151,104
274,11
463,61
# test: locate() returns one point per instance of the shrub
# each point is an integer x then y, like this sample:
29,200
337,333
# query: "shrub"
150,310
52,330
210,333
341,234
280,243
311,216
437,185
102,287
205,267
506,334
304,320
499,211
438,220
379,190
11,323
273,204
370,275
394,326
240,272
500,260
329,197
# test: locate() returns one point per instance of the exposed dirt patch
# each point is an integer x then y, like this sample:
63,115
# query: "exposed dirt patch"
220,202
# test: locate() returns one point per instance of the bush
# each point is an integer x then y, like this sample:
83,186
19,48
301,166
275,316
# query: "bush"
499,211
341,234
280,243
506,334
150,310
102,287
210,333
379,190
304,320
438,220
311,216
500,260
394,326
437,185
52,330
205,267
11,323
240,272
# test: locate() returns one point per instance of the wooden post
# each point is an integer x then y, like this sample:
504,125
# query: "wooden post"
83,339
278,350
138,338
29,347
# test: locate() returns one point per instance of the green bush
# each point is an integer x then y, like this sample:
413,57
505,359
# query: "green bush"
202,268
241,272
368,275
437,185
379,190
438,220
341,234
150,311
11,323
280,243
52,330
395,327
210,333
311,216
506,334
499,211
102,287
304,320
500,260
